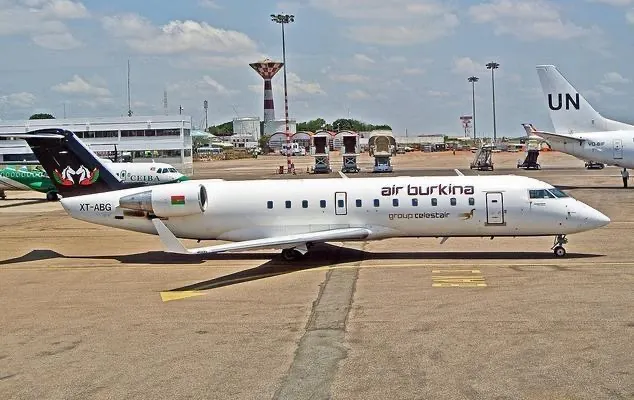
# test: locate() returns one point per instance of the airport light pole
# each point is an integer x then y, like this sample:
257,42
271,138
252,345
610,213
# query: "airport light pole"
283,19
473,80
493,66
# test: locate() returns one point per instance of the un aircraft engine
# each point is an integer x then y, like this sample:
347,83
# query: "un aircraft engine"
172,200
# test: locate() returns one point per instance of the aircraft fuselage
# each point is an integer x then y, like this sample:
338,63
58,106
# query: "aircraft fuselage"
388,207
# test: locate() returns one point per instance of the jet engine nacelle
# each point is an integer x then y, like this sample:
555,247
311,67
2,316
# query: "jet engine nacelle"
172,200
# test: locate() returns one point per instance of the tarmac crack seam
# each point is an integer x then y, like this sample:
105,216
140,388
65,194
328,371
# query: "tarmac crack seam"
322,346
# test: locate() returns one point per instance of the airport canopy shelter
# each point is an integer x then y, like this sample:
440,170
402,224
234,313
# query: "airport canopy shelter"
320,149
382,148
349,150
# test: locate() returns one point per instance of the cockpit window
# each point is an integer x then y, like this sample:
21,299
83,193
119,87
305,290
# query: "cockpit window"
540,194
173,170
558,193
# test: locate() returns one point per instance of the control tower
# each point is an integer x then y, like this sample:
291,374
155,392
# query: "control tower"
267,70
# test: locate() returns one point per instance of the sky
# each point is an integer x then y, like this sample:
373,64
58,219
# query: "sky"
404,63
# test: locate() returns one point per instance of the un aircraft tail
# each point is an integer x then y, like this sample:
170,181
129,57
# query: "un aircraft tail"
569,111
74,169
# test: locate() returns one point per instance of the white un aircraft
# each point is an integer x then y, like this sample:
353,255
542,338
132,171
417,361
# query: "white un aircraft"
294,214
579,129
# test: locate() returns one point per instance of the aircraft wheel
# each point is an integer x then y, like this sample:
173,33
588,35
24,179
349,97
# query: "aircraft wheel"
559,251
51,196
291,254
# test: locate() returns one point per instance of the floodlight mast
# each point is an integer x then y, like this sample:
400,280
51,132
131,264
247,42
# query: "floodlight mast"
283,19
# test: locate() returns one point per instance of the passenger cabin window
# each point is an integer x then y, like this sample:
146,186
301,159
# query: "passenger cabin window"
415,202
376,202
288,204
453,201
322,203
304,203
395,202
340,203
358,202
471,201
269,204
540,194
434,202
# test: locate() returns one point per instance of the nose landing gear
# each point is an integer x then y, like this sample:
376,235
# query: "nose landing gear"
558,246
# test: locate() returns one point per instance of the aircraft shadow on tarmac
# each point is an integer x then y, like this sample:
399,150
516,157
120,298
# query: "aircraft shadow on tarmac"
25,202
322,255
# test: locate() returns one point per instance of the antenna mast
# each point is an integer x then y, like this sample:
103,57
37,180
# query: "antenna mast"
129,103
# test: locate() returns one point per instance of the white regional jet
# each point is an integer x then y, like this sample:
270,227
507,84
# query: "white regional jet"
579,129
294,214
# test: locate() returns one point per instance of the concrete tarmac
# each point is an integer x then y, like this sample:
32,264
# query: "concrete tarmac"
90,312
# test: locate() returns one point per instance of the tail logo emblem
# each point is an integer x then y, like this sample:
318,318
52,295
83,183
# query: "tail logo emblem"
68,174
571,102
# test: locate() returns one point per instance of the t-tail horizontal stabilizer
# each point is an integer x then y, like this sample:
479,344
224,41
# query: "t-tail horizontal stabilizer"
173,245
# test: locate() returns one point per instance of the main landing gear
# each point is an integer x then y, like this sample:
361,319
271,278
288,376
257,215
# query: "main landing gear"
52,196
295,253
558,246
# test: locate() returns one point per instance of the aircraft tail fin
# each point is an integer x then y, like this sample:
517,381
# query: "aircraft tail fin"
74,169
569,111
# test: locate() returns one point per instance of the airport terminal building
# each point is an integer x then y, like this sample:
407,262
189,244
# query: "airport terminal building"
145,138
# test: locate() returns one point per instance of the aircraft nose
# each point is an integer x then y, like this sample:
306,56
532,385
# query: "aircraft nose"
594,219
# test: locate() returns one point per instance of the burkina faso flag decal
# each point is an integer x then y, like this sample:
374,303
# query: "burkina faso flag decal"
178,200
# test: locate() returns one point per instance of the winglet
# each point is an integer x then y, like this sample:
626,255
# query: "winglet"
171,243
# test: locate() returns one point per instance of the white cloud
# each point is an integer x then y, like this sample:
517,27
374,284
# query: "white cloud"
413,71
358,95
57,41
437,93
297,86
209,4
616,3
397,59
614,78
204,85
402,35
394,22
629,16
217,62
42,21
80,86
467,66
175,36
528,20
363,59
609,90
19,100
349,78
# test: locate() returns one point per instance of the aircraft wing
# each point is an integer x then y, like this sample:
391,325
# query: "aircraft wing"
173,245
549,136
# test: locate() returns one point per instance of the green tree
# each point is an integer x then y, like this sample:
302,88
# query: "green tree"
225,129
312,125
264,143
41,116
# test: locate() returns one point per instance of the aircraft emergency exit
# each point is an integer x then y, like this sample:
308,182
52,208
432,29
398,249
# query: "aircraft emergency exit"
294,214
579,129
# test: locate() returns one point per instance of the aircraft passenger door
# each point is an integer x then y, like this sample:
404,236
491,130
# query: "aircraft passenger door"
341,203
495,209
618,149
